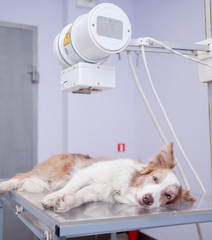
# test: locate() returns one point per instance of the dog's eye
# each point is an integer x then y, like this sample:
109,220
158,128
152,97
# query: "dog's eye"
168,196
155,179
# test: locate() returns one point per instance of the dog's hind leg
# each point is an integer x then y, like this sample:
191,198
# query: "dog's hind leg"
9,185
12,184
25,182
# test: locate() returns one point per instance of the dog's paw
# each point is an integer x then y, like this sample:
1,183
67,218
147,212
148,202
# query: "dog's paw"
52,200
61,207
65,204
58,202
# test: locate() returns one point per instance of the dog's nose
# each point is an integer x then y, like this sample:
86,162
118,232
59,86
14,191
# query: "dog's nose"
148,199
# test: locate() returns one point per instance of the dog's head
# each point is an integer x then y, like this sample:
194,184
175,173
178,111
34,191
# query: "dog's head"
157,182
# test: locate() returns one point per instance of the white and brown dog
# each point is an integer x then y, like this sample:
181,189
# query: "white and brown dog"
74,179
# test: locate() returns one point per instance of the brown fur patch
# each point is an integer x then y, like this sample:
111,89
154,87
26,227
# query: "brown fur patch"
164,159
183,196
57,170
137,179
59,166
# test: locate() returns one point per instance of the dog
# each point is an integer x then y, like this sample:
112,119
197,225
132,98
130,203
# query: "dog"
71,180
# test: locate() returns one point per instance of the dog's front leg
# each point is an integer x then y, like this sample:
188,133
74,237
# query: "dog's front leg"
77,182
69,201
87,194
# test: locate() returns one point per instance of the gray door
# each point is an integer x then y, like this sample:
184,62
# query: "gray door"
18,110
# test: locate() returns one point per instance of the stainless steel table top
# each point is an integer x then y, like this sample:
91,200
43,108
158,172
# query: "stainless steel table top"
98,217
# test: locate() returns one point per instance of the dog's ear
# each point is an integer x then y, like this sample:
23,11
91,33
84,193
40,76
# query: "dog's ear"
183,196
164,159
166,156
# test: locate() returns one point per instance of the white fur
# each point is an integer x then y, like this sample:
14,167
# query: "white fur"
105,181
102,181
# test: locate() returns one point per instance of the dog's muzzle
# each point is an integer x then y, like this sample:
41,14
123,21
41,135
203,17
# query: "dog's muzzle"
147,200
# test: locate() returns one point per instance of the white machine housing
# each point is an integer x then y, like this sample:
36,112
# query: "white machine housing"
88,78
92,38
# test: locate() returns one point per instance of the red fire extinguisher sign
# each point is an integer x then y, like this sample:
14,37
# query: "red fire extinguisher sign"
121,147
